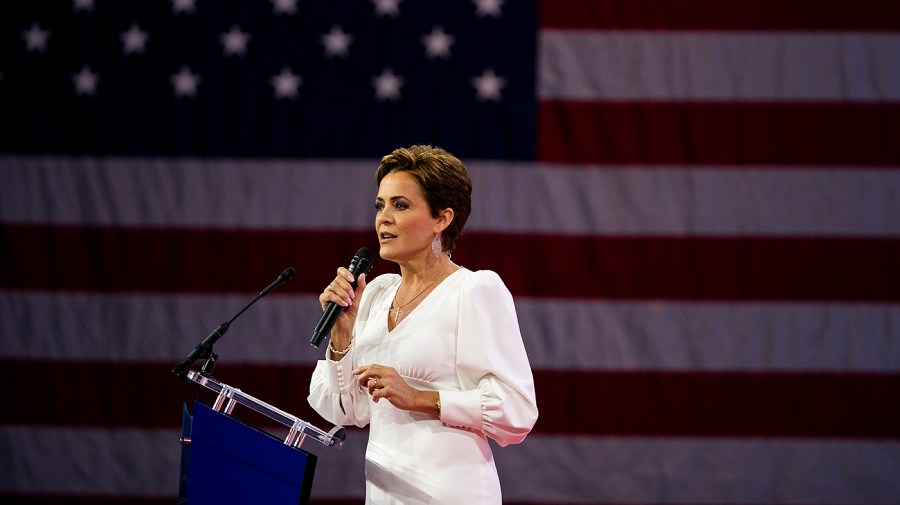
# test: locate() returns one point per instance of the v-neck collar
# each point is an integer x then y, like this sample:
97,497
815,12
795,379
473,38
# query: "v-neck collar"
414,309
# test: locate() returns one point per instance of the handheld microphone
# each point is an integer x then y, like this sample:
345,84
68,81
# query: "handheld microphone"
361,264
204,348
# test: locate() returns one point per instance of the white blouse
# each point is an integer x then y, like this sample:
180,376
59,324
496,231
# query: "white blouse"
462,340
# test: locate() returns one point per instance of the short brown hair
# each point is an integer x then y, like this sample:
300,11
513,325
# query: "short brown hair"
443,180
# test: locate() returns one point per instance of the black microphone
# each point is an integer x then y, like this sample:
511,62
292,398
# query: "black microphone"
204,348
284,277
361,264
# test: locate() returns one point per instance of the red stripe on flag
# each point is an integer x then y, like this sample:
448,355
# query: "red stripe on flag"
720,404
620,403
807,15
678,268
26,499
693,268
87,499
721,133
154,259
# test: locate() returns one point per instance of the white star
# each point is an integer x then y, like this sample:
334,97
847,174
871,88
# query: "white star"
387,7
437,43
83,5
235,41
134,40
35,38
337,43
185,82
387,85
486,8
286,83
85,81
285,6
183,6
488,85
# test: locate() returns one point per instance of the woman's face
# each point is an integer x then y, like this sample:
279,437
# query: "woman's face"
403,220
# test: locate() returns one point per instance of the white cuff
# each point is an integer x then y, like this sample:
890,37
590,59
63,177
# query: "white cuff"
461,409
339,374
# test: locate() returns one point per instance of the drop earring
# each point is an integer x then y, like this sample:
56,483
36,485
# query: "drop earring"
436,247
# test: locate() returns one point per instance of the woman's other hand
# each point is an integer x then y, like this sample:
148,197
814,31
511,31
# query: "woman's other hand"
384,382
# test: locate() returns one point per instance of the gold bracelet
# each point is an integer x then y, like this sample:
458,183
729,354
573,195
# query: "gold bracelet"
335,351
437,403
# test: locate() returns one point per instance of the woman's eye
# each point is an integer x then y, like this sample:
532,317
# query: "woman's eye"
400,206
379,206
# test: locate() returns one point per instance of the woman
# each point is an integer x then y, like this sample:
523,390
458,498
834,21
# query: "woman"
431,359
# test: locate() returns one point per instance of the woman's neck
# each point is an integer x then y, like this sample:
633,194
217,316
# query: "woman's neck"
424,271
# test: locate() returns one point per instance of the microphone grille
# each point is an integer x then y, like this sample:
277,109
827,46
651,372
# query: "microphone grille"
365,254
362,262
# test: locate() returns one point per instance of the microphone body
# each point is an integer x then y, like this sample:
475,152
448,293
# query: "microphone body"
362,262
203,349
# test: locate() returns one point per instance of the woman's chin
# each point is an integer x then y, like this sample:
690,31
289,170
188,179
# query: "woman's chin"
386,251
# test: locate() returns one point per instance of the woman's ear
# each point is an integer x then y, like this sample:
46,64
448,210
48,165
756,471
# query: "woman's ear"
444,218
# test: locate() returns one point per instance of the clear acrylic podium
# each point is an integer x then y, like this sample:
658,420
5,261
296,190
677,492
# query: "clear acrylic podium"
224,461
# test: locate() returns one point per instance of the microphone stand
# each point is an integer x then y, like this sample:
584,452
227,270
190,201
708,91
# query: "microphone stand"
204,349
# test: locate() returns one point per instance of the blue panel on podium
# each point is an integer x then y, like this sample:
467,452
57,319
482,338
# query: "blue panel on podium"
232,463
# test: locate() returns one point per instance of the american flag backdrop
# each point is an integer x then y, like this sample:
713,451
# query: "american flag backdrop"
695,203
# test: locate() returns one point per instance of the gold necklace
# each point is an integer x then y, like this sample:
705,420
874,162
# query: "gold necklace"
400,307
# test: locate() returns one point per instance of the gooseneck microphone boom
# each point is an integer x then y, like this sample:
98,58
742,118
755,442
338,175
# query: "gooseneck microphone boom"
361,264
204,348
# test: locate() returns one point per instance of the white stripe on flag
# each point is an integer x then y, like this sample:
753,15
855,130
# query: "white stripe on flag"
509,197
544,469
651,336
683,471
137,463
746,66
